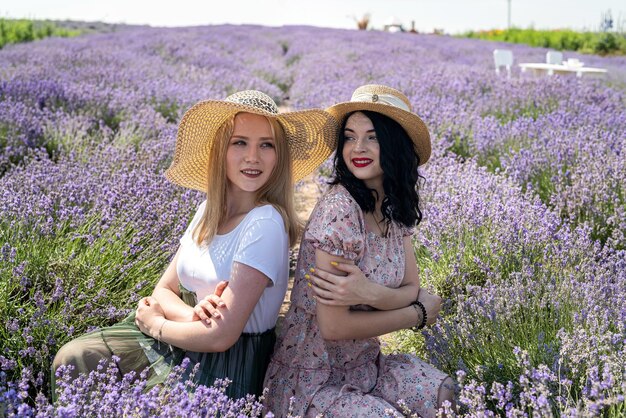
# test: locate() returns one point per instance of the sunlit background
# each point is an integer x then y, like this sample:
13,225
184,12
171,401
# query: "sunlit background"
449,16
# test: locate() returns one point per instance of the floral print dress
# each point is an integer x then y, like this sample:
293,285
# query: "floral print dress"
345,378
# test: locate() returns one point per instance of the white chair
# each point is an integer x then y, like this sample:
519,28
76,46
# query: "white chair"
554,57
503,58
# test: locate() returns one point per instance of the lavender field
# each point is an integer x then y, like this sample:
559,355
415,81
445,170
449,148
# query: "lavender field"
524,231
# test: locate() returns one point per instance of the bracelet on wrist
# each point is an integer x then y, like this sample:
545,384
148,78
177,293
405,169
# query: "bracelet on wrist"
160,333
420,309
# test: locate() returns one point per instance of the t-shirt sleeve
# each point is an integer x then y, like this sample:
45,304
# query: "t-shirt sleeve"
264,246
188,235
335,227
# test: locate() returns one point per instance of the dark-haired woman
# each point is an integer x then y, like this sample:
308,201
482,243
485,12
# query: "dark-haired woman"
328,360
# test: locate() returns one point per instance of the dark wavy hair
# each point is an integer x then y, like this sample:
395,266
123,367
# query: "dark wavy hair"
399,162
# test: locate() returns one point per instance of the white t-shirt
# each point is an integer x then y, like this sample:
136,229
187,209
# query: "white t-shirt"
259,241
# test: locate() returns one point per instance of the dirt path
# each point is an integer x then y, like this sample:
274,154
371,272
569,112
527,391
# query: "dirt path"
306,197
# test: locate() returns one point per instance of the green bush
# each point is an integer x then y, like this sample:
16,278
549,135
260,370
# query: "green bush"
601,43
23,30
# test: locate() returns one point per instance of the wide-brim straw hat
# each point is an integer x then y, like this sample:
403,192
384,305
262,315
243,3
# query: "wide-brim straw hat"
393,104
310,135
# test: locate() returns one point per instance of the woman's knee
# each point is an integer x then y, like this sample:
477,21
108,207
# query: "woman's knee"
68,355
83,355
446,391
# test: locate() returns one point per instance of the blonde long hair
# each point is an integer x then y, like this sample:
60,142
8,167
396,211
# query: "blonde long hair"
277,191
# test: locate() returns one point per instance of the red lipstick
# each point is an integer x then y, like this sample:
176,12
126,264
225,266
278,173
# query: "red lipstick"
361,162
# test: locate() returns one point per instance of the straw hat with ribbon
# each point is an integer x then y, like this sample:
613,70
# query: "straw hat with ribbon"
393,104
310,136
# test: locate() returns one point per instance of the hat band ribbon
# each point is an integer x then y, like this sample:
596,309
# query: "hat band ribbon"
386,99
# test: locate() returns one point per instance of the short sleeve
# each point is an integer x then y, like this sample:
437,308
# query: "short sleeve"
187,237
264,246
407,231
336,226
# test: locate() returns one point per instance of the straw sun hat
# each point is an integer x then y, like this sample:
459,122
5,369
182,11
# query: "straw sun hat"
393,104
310,136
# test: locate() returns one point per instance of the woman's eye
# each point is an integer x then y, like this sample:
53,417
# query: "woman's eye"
267,145
238,142
373,138
348,138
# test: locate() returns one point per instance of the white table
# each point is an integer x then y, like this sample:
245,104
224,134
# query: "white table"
551,69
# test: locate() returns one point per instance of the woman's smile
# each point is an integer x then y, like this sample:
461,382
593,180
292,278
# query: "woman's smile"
251,173
362,162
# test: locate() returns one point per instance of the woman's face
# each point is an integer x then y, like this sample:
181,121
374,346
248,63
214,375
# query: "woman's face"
251,154
361,151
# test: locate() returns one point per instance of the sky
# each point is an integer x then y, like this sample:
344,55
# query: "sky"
453,16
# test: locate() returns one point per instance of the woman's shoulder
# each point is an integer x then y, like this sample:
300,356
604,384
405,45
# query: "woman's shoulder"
337,205
198,214
336,225
265,212
337,197
200,208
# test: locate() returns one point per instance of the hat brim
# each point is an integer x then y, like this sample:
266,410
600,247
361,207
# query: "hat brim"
413,125
310,135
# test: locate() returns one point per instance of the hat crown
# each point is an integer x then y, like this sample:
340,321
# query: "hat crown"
376,93
309,136
392,104
255,99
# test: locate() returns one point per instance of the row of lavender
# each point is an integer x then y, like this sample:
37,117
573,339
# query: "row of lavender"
526,177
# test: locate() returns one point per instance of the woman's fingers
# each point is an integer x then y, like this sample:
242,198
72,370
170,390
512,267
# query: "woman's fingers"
326,276
143,307
345,267
139,324
200,313
215,300
209,308
319,281
322,293
325,297
219,289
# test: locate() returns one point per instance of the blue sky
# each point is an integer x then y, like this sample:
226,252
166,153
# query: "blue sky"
451,15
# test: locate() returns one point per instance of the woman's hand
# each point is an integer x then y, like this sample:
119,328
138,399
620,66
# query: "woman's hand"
334,290
432,303
149,316
207,307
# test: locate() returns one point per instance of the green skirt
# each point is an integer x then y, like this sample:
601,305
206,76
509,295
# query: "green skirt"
244,363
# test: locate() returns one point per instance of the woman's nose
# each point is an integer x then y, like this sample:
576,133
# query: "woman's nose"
252,154
359,145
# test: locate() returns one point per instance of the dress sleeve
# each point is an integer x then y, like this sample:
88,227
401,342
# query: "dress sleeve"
407,231
264,246
336,227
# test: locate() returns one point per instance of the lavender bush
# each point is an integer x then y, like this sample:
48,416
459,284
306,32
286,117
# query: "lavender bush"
77,254
101,393
524,203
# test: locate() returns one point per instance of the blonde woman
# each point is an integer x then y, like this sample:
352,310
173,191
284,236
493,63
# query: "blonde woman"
245,157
